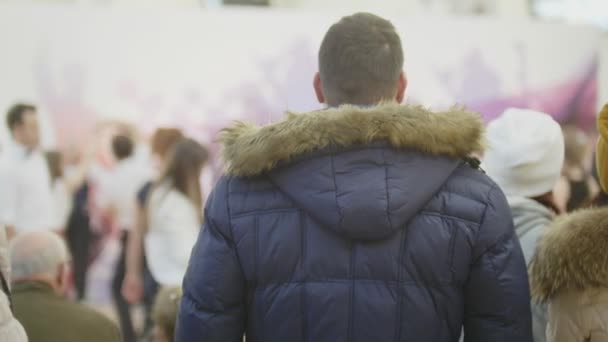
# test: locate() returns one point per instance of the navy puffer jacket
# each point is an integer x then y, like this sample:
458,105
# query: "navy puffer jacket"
356,224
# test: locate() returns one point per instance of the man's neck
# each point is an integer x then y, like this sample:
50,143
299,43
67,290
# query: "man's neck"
42,282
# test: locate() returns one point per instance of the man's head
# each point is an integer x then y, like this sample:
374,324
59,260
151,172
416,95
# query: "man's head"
360,63
22,121
122,147
40,256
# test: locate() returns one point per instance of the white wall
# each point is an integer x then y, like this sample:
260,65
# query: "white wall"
603,74
500,7
139,3
408,7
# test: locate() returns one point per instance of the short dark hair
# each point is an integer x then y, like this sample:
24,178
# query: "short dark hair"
122,147
15,114
360,60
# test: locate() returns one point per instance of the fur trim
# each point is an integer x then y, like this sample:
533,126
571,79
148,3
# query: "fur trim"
571,255
249,150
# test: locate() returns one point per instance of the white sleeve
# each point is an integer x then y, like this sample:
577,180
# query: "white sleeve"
181,239
8,195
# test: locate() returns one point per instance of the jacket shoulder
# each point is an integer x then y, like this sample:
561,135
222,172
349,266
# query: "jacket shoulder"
466,195
239,196
472,183
86,322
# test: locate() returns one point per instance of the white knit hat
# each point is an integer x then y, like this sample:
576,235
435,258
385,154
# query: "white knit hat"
525,153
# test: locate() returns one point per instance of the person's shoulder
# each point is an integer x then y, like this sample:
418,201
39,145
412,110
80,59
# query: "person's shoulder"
90,320
168,201
232,193
472,182
230,184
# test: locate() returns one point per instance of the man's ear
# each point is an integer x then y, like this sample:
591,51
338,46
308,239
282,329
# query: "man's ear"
318,88
401,86
63,278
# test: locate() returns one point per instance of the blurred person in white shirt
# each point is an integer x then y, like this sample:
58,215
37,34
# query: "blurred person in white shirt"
117,195
174,213
139,284
26,200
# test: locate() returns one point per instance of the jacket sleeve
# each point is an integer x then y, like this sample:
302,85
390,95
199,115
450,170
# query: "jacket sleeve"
497,298
213,305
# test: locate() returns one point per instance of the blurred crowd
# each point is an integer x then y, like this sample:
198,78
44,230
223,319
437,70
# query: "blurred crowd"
61,208
366,221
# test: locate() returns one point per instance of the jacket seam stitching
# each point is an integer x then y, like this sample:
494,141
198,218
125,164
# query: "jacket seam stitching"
459,194
513,322
229,209
230,230
388,197
483,220
494,243
245,192
333,173
255,266
351,297
401,283
303,293
449,217
435,285
264,212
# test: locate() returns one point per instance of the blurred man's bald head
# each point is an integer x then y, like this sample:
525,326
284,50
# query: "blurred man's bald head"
37,255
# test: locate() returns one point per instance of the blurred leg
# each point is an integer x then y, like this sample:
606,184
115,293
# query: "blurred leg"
150,290
122,307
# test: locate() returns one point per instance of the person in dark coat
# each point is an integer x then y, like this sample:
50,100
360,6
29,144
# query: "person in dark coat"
367,221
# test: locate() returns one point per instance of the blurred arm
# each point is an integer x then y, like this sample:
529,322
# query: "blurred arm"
133,284
497,299
213,304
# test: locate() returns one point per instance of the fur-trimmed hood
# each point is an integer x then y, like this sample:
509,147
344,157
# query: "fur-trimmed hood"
249,150
571,255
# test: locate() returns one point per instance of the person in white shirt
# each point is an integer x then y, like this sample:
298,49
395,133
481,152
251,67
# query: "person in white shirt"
26,200
117,195
139,285
174,213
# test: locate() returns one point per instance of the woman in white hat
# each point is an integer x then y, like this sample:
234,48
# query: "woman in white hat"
525,158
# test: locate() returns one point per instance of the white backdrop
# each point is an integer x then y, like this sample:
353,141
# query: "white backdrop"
201,69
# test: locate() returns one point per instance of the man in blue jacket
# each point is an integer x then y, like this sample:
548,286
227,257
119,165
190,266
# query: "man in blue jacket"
367,221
